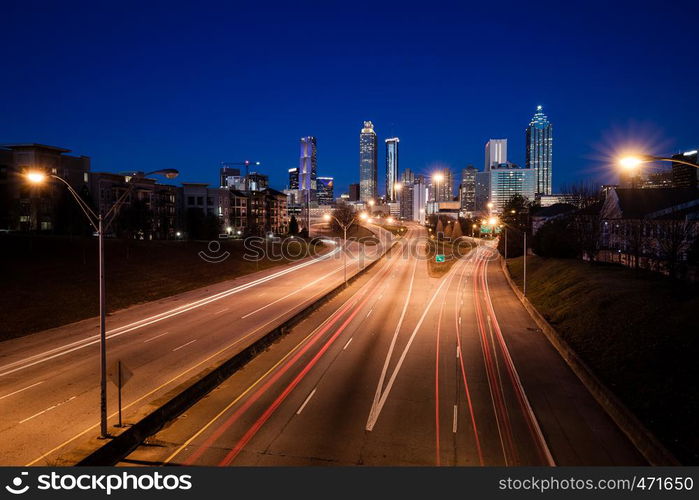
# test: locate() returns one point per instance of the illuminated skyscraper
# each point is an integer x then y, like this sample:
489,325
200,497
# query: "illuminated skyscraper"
391,168
367,163
540,150
308,168
326,191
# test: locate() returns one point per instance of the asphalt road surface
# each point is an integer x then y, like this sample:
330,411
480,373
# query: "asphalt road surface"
49,381
402,369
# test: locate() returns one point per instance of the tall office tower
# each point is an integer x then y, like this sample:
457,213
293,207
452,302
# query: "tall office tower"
391,168
354,192
420,190
226,173
499,184
405,194
540,150
367,163
495,152
467,189
308,168
685,176
326,191
442,185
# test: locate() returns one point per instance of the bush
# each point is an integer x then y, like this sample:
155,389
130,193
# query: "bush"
555,238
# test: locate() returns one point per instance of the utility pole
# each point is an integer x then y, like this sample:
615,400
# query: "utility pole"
524,286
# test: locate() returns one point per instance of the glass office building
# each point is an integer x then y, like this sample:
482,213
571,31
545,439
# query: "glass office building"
391,168
540,150
367,163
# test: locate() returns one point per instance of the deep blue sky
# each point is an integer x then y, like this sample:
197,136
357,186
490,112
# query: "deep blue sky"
147,85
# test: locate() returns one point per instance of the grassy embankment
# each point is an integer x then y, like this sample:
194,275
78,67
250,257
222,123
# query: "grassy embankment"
452,252
52,281
636,330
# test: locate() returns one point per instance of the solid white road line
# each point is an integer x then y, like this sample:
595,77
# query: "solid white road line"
306,402
153,338
456,416
378,405
184,345
348,343
94,339
21,390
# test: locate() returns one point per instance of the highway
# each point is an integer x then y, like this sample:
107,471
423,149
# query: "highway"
49,381
402,369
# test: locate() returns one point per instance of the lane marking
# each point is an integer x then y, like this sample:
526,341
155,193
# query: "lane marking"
306,402
348,343
184,345
378,404
165,384
116,332
457,352
47,409
456,416
369,313
331,319
222,310
153,338
21,390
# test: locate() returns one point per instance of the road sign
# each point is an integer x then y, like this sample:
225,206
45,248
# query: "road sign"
439,257
120,374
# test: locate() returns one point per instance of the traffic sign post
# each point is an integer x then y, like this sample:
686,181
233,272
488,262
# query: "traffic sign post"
120,375
439,257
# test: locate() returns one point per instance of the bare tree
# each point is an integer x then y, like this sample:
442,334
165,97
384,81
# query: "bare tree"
345,214
674,240
585,192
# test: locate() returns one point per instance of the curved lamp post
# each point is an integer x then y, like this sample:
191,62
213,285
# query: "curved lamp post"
631,162
99,222
344,227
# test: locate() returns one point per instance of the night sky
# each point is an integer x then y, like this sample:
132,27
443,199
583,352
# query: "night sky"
146,85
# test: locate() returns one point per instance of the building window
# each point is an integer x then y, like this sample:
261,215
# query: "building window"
200,200
46,226
190,200
86,177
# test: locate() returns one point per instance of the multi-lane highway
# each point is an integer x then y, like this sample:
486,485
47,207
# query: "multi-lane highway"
402,369
49,381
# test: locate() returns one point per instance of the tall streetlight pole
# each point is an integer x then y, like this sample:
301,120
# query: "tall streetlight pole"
97,221
631,162
344,227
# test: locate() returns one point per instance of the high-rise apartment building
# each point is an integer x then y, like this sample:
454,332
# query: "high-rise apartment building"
441,186
354,192
367,163
495,152
391,168
539,137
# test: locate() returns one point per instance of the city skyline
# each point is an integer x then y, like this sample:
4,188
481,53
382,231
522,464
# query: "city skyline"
236,109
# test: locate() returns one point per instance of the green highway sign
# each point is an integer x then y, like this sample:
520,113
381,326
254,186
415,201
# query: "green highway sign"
439,258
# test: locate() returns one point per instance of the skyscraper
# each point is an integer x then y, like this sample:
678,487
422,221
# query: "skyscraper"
367,163
467,189
684,175
540,150
499,184
391,168
308,168
495,152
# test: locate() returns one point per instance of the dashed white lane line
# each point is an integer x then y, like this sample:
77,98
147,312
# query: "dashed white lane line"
458,353
22,390
222,310
348,343
306,401
456,416
48,409
369,313
153,338
184,345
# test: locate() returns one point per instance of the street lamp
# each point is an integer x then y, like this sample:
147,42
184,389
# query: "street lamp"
344,227
364,216
390,220
633,162
99,222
